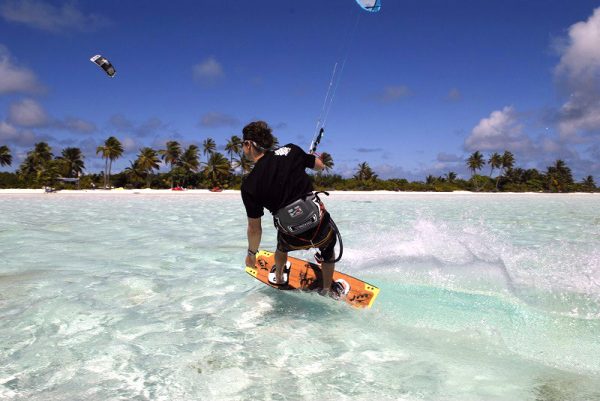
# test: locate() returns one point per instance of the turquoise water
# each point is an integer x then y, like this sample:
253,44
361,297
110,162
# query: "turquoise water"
144,297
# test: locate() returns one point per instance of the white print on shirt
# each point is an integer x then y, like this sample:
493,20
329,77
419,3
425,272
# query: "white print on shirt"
282,151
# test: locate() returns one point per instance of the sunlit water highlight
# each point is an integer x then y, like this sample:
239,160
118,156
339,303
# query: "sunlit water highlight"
136,297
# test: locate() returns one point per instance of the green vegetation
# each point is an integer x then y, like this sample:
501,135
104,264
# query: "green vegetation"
111,150
5,156
186,169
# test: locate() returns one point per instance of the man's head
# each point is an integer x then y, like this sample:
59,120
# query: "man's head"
257,135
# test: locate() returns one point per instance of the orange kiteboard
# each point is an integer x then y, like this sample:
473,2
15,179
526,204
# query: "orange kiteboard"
305,276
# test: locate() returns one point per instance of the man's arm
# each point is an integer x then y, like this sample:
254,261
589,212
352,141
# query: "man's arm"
318,163
254,233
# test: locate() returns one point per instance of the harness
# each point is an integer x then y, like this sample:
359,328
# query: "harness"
303,215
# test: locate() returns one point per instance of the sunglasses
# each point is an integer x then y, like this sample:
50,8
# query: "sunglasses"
254,144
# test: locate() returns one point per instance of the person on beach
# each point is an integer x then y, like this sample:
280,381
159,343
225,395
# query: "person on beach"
279,183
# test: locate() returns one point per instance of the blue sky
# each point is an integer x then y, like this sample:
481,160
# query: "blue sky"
425,82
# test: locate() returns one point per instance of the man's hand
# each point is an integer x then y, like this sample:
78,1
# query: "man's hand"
319,166
251,260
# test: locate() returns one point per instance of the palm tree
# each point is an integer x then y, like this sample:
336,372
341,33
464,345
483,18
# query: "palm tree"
27,167
508,161
171,155
327,162
451,176
133,172
189,161
495,162
217,168
37,161
364,172
73,161
589,180
42,153
147,162
233,147
51,171
111,150
243,163
104,150
209,146
560,175
5,156
475,162
588,183
564,170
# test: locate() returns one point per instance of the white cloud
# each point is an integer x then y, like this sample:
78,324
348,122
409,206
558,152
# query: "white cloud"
15,79
119,121
11,135
368,150
28,113
78,125
208,71
216,119
7,131
454,95
149,127
88,146
130,145
47,17
393,93
387,171
550,146
498,132
448,158
579,73
579,118
581,57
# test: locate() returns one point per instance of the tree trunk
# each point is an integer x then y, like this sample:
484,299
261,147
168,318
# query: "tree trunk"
105,172
172,178
109,168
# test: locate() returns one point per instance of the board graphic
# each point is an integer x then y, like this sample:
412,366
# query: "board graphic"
306,276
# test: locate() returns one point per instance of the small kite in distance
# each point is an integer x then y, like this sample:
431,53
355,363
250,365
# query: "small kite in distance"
104,64
370,5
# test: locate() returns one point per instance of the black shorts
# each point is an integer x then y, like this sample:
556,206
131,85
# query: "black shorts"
322,237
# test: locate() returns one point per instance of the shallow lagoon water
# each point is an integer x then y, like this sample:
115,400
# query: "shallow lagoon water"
141,297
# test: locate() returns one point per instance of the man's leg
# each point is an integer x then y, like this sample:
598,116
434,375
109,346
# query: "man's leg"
280,262
327,269
328,264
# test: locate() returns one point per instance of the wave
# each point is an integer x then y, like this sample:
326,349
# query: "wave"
558,277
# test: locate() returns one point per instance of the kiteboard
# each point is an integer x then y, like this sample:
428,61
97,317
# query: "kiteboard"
306,276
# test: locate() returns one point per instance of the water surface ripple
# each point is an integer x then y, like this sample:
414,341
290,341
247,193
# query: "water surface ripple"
140,297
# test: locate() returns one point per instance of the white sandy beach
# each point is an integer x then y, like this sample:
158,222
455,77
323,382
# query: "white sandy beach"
146,191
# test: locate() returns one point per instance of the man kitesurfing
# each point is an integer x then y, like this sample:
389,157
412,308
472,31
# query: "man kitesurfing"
279,183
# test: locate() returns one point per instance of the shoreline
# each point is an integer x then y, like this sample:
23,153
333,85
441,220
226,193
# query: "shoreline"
168,192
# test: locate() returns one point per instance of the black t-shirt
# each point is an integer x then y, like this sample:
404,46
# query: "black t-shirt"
277,179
